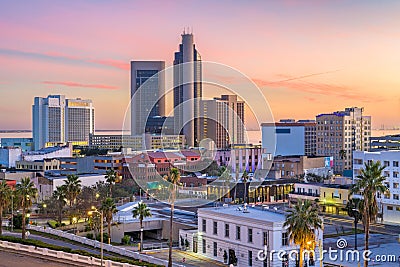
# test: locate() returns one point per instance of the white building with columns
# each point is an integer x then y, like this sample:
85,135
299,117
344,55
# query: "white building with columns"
234,235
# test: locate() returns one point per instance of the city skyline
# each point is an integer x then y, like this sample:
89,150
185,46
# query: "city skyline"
319,56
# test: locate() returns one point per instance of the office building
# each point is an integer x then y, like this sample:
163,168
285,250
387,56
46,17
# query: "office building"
187,88
147,93
241,158
389,203
387,142
140,142
222,120
57,120
235,235
342,132
79,121
26,144
292,137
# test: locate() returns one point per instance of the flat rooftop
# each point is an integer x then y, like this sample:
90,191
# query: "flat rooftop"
252,213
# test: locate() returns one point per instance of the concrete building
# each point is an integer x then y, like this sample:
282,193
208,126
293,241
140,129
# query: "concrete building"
388,204
187,89
141,142
388,142
332,198
241,158
147,93
292,138
297,166
340,133
222,120
9,156
44,165
26,144
235,235
48,153
86,180
79,121
57,120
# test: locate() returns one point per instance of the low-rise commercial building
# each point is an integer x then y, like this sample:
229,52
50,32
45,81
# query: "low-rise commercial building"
38,165
236,235
26,144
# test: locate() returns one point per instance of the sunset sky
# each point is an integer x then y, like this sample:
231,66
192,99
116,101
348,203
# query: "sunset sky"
308,57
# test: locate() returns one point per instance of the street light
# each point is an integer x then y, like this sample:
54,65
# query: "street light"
94,210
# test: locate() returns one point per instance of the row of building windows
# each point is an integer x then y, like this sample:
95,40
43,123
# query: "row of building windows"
285,236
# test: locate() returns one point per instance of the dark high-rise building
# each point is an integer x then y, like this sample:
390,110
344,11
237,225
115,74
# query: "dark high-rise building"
149,101
187,89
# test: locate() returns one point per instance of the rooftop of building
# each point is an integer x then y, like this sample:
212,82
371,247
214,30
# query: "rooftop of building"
252,213
46,150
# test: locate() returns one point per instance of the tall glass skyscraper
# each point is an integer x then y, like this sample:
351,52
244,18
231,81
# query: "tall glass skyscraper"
146,76
187,87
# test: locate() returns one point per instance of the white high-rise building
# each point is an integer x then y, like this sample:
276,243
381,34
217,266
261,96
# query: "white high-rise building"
389,203
57,120
79,121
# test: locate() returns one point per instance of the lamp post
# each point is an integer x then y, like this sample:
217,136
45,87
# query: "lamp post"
101,232
12,211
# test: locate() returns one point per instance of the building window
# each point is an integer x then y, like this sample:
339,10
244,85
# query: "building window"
265,238
227,230
395,164
389,207
395,185
204,225
386,163
215,248
396,196
238,232
250,235
250,257
215,228
285,239
204,246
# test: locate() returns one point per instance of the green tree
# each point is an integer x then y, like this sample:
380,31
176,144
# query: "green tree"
5,197
140,212
60,196
26,192
302,222
369,183
111,178
73,187
173,178
109,209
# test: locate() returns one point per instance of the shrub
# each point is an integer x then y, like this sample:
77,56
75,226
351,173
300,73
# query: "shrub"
105,237
89,235
126,239
52,223
17,221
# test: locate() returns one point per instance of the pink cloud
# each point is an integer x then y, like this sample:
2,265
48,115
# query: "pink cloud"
113,63
75,84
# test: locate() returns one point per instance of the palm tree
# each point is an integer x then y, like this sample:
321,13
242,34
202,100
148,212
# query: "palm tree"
5,197
60,196
245,178
141,211
73,188
111,178
302,222
109,209
173,178
369,183
26,192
